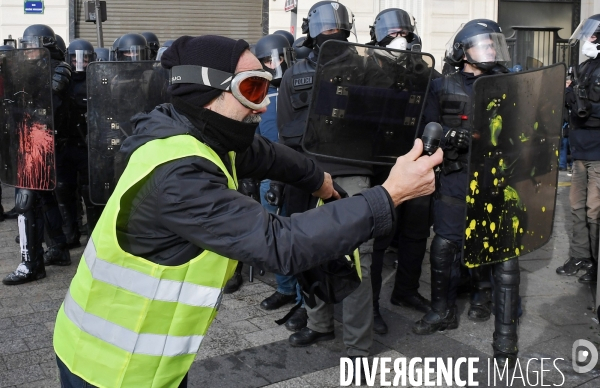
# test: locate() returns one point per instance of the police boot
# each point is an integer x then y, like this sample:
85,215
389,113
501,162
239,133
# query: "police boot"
57,254
506,297
67,205
70,228
31,235
481,296
92,212
441,316
235,282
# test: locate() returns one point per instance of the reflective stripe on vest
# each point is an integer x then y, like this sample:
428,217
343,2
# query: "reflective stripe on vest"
127,321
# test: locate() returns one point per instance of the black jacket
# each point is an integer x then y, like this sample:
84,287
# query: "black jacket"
185,206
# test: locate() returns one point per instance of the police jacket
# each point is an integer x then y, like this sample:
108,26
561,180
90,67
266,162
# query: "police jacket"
185,206
584,136
295,94
77,100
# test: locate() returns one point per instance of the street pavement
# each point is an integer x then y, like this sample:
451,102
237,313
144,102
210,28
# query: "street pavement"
246,348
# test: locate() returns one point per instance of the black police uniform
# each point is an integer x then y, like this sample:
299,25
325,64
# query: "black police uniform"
450,103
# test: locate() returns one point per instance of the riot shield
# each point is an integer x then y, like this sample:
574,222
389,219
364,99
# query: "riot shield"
27,136
366,102
513,168
116,92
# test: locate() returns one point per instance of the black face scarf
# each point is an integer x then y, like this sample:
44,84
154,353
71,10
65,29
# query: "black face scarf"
322,38
219,132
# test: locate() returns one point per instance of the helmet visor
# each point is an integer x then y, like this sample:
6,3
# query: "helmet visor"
273,63
394,23
160,52
330,17
31,42
81,59
133,53
250,88
584,31
486,48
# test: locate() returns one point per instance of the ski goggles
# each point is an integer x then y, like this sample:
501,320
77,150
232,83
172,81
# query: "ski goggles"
250,87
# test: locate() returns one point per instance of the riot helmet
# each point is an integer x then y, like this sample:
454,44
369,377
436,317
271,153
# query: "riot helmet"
80,54
327,20
153,43
588,33
4,48
112,56
102,54
288,35
300,51
273,53
61,46
132,47
392,23
163,48
38,35
479,42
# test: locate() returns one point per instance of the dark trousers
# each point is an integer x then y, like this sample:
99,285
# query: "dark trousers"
70,380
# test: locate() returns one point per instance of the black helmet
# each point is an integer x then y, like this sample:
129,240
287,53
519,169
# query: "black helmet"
479,42
113,50
587,28
324,16
132,47
300,51
391,23
273,53
153,43
102,54
163,48
5,47
80,53
288,35
38,35
60,44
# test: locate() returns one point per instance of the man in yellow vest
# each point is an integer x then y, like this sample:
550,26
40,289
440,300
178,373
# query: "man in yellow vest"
151,277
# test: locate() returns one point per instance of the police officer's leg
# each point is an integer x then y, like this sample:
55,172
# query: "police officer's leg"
66,196
444,258
506,300
31,233
481,296
57,253
357,322
66,187
319,326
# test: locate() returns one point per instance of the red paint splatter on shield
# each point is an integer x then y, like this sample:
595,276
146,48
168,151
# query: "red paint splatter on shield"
36,155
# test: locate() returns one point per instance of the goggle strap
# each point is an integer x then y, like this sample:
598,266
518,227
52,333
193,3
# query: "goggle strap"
191,74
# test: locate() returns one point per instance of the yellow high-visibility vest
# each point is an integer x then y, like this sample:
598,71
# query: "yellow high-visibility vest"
129,322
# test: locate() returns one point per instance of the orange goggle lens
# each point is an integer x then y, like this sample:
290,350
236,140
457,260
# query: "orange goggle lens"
254,89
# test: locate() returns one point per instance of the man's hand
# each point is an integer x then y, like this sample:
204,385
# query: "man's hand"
327,191
412,176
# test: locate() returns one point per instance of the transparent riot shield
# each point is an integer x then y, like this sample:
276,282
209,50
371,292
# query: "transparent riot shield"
27,155
366,102
116,92
513,170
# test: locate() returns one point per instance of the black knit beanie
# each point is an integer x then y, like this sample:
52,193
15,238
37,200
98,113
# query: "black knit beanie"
216,52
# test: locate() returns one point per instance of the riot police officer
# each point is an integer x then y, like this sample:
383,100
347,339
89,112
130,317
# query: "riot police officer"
72,156
583,100
300,51
38,210
479,49
395,28
153,44
328,20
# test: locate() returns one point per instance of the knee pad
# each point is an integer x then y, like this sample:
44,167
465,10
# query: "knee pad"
507,273
25,200
65,193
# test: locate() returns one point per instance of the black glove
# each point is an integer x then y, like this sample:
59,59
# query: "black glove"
61,77
250,188
458,139
274,195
